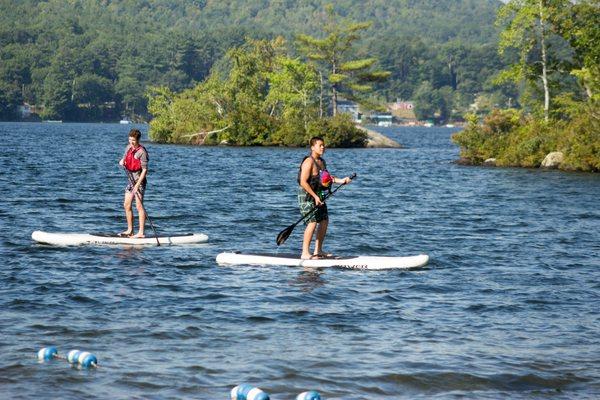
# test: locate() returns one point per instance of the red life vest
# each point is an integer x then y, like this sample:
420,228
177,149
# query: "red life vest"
131,163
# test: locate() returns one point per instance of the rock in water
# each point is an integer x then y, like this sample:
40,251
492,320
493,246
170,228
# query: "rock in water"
553,160
490,162
376,139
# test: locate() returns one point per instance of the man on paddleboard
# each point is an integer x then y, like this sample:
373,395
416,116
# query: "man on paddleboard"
135,162
314,181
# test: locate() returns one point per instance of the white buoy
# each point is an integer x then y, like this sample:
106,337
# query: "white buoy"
248,392
47,353
310,395
73,356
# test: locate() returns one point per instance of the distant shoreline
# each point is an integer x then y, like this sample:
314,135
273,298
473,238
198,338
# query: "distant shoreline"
374,139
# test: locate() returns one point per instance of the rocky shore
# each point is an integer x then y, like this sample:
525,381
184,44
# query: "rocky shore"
378,140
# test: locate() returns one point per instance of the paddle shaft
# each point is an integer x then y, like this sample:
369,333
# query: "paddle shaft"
315,208
141,203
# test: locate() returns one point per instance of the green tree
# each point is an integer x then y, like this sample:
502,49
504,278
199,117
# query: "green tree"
403,58
579,24
10,99
427,101
292,98
334,53
130,85
160,101
92,89
232,102
527,27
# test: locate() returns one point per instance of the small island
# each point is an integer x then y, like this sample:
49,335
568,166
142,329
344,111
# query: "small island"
261,95
555,65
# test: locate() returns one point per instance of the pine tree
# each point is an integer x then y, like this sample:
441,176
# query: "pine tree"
340,70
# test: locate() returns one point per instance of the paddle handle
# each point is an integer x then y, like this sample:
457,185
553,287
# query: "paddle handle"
328,195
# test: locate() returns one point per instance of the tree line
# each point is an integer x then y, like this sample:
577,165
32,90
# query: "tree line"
86,60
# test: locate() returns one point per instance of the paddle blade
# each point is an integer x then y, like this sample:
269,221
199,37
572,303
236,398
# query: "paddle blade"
284,234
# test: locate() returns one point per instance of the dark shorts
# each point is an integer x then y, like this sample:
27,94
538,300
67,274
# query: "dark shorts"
141,190
307,203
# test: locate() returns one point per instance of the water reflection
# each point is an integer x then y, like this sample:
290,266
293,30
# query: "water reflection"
309,279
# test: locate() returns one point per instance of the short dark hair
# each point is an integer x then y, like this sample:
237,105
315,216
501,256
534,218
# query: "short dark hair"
136,134
315,139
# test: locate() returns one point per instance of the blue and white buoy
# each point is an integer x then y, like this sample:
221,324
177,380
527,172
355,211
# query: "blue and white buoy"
310,395
47,353
73,356
248,392
86,359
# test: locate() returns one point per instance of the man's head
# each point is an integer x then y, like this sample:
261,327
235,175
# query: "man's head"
134,137
317,145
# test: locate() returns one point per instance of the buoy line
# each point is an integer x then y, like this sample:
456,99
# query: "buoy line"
74,357
85,359
249,392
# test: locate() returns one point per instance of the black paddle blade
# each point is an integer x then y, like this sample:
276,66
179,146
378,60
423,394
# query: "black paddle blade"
284,234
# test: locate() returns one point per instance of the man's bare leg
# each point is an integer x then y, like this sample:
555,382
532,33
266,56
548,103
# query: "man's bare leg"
128,214
308,234
141,216
321,231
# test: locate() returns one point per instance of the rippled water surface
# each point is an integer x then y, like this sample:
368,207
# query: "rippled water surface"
507,308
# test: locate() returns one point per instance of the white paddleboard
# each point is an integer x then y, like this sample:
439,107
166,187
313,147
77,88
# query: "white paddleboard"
358,262
78,239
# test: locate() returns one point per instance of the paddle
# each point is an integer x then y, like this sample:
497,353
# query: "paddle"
284,234
132,181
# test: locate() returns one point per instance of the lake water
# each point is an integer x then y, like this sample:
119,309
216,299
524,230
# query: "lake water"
507,307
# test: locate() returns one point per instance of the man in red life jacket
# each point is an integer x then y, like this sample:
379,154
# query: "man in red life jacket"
135,161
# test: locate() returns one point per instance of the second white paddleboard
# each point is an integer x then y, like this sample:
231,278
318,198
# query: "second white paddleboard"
78,239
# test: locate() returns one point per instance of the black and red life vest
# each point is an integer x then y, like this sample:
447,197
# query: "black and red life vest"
320,182
131,163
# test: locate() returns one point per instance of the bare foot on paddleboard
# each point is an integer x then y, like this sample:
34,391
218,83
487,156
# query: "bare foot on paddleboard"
125,234
138,236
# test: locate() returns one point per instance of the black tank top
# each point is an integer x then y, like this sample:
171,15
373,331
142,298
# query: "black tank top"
314,181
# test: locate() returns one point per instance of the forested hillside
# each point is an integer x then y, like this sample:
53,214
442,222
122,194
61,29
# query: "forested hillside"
95,59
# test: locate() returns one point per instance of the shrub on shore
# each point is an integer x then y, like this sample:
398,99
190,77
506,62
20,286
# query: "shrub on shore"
338,131
515,140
